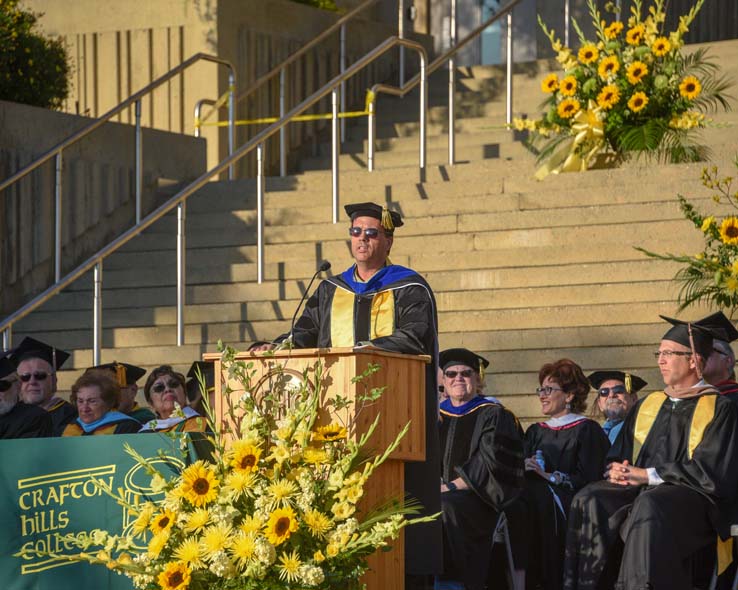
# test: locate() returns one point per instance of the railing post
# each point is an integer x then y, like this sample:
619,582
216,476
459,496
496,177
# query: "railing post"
181,270
342,65
231,121
335,149
58,167
260,213
8,338
97,313
283,130
401,35
452,92
372,132
566,22
423,115
139,162
509,77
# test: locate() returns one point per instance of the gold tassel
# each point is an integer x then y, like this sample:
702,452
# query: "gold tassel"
694,352
387,219
481,373
120,374
628,383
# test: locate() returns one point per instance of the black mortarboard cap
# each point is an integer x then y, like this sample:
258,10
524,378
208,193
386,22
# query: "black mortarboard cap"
633,383
719,326
680,333
125,374
462,356
30,348
7,366
390,219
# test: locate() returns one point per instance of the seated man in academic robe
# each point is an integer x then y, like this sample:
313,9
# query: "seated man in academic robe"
482,466
672,479
390,307
720,365
617,393
18,420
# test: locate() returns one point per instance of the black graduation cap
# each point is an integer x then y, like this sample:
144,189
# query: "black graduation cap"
390,219
125,374
680,333
30,348
7,366
633,383
719,326
462,356
193,377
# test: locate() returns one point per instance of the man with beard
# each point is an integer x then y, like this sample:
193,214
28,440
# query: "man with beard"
18,420
616,395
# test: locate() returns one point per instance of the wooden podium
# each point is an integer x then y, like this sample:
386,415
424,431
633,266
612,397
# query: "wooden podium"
403,401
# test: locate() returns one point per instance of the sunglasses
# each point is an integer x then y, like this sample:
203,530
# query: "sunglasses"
605,391
5,385
465,373
161,387
369,232
37,375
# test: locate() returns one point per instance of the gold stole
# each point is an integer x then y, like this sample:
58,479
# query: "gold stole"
342,316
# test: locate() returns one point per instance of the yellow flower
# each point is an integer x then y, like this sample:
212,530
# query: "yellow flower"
331,550
239,482
609,66
568,86
317,523
144,518
634,36
330,433
690,88
189,552
279,454
729,231
608,97
568,108
318,556
289,566
243,549
157,543
354,493
731,283
282,523
245,457
550,83
251,524
216,538
707,223
734,268
613,29
636,71
342,510
281,491
176,576
314,456
661,47
162,522
124,559
588,54
199,484
197,520
638,102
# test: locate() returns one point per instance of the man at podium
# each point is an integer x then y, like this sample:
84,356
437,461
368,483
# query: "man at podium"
387,306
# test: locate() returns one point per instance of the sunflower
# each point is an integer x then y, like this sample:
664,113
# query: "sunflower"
189,551
568,86
550,83
568,108
690,88
330,433
634,36
661,47
282,523
608,97
588,54
289,566
729,231
613,29
243,549
176,576
317,523
609,66
638,102
245,457
199,484
197,520
636,71
162,522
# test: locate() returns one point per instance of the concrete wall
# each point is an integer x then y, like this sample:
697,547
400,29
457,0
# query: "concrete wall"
98,191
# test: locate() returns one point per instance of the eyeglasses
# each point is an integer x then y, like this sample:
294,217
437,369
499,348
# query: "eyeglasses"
161,387
5,385
545,391
606,391
37,375
369,232
465,373
670,353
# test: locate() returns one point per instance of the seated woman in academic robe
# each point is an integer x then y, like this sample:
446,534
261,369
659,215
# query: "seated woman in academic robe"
96,396
564,453
481,466
165,390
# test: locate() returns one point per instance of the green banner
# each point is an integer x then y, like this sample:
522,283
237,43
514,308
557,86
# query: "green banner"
47,491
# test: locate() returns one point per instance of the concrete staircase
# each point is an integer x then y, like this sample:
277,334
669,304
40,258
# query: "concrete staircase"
524,272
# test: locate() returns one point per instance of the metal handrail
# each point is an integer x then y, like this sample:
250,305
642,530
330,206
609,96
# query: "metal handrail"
179,200
433,66
134,99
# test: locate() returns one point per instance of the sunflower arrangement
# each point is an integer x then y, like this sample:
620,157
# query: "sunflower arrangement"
277,507
711,275
631,90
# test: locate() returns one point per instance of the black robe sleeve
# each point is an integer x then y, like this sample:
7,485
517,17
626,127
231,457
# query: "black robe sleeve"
593,446
127,427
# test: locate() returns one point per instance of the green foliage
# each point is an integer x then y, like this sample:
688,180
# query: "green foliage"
324,4
33,68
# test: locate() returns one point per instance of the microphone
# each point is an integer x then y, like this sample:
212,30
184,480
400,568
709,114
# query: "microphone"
324,266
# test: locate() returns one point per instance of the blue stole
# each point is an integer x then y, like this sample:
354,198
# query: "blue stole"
465,408
108,418
386,276
612,429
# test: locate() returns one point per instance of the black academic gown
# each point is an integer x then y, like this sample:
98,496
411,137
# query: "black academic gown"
62,413
25,421
397,315
482,444
538,521
638,537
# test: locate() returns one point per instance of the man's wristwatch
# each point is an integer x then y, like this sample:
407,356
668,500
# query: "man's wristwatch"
555,478
451,486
